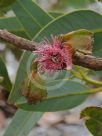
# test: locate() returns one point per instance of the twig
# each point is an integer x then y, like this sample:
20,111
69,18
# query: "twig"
18,41
80,59
87,61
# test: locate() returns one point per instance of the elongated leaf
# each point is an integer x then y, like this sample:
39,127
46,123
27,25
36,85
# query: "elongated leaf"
77,4
63,95
97,50
3,72
12,24
22,123
32,17
82,19
93,120
97,47
22,71
40,16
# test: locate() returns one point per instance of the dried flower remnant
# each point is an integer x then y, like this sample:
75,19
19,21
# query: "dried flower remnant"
81,40
54,56
33,87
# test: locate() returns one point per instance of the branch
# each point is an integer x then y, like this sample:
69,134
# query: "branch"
87,61
80,59
18,41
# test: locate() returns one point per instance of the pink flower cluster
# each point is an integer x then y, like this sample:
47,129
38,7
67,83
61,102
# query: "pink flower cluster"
54,56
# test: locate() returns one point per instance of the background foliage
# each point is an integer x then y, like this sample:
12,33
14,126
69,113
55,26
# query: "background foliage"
30,21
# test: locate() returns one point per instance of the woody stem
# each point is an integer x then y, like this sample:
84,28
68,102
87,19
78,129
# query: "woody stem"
80,59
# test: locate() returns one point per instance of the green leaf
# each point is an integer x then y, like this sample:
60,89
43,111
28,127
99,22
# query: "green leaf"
62,95
27,118
6,83
31,16
13,25
97,50
10,23
6,3
21,75
82,19
22,123
77,4
26,57
97,47
93,120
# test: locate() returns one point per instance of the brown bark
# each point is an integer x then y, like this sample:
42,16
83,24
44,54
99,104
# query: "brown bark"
19,42
87,61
